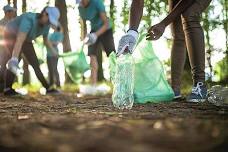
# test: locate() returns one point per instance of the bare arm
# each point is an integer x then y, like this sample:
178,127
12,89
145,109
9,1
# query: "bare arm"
92,37
181,6
21,36
128,41
156,31
136,13
105,24
48,44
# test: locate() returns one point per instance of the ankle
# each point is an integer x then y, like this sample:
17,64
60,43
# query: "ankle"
195,83
7,89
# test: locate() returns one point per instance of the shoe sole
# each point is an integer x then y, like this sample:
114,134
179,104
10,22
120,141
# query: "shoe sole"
53,93
197,100
14,96
177,97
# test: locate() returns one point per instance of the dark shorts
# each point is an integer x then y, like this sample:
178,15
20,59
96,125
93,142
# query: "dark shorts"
105,42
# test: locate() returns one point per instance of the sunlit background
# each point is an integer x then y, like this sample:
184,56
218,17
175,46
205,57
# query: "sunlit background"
161,47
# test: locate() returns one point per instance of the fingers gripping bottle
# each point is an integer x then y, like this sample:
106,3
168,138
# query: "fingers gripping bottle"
123,97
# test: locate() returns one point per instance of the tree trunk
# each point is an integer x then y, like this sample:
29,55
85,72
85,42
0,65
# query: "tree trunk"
112,13
61,4
24,6
15,3
225,23
83,29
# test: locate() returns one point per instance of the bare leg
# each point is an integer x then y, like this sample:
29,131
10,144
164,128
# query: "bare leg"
94,69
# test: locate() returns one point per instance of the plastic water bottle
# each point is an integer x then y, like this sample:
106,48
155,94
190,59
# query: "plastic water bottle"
218,95
123,83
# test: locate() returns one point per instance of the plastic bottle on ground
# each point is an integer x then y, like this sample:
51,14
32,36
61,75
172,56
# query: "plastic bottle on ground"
218,95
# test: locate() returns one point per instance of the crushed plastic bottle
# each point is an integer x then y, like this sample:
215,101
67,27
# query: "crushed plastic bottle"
123,82
218,95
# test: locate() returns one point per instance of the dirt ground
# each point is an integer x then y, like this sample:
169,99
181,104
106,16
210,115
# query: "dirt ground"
66,123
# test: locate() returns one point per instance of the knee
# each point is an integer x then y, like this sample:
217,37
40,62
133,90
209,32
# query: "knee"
190,19
178,34
178,37
193,13
177,31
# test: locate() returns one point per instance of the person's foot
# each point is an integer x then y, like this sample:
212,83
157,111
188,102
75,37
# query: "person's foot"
1,87
198,94
103,89
88,89
1,91
11,92
177,95
52,91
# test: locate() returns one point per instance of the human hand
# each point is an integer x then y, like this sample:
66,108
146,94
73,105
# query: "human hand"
127,42
90,39
156,31
12,65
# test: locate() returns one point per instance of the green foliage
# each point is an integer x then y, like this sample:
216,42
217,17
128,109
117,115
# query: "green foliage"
212,20
112,13
125,13
221,70
153,8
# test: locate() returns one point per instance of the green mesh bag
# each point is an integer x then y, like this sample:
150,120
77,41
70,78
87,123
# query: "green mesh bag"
150,84
75,64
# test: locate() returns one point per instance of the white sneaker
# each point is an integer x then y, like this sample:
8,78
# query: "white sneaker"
87,89
103,89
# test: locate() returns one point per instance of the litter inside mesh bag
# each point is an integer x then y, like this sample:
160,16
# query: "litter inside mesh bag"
150,84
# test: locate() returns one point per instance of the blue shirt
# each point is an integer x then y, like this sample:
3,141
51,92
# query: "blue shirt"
55,37
92,13
28,23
